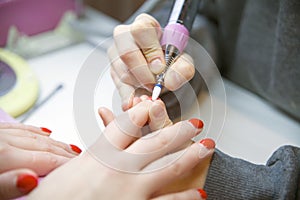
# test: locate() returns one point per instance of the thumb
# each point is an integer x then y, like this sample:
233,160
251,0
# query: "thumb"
16,183
106,115
146,31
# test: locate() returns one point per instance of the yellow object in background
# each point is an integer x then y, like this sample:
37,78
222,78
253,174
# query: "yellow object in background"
23,92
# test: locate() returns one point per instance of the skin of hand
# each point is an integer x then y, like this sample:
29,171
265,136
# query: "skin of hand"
157,159
27,152
192,179
137,57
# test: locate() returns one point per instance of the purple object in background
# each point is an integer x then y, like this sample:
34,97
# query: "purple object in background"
33,16
4,117
176,35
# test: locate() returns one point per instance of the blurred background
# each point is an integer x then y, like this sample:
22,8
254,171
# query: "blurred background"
26,22
33,28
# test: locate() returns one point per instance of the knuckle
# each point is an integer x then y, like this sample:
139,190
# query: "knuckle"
134,120
176,169
46,157
147,19
143,25
137,28
53,161
163,140
32,136
4,149
152,51
47,147
126,78
120,29
128,56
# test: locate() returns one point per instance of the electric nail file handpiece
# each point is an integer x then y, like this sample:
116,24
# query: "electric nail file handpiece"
175,36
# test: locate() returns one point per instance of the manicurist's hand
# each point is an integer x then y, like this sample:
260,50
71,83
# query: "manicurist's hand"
138,154
137,57
27,152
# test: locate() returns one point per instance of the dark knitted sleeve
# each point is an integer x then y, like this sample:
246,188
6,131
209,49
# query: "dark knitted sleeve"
232,178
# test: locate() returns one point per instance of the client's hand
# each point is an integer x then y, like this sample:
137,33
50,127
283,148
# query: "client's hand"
127,162
137,57
27,152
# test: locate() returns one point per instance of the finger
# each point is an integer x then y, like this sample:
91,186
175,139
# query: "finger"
126,91
136,100
39,143
147,32
158,116
165,141
31,141
132,56
126,128
174,166
125,82
29,128
119,67
40,162
191,194
106,115
17,183
145,98
179,73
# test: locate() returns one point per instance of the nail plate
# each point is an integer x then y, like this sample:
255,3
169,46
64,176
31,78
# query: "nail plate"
156,66
157,111
46,130
202,193
26,182
75,148
149,98
197,123
208,143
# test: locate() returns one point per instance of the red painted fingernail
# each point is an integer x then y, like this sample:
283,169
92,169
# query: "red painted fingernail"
26,183
197,123
46,130
208,143
75,148
202,193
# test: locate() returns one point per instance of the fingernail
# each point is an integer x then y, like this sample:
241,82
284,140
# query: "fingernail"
125,106
145,97
149,98
26,183
157,111
156,66
202,193
148,87
197,123
176,77
136,100
46,130
75,148
208,143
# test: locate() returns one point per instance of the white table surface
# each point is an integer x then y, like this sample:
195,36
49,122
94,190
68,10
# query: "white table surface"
252,129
